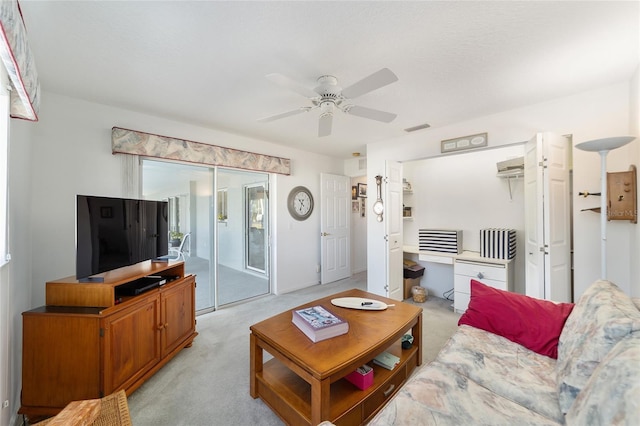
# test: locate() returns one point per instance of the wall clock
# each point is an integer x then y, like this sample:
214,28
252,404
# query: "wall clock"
300,203
378,207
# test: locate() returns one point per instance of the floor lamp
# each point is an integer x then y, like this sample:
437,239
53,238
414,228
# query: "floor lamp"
603,146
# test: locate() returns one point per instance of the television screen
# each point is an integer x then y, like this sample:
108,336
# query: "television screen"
116,232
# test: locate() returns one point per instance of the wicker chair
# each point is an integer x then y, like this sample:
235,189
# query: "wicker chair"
112,410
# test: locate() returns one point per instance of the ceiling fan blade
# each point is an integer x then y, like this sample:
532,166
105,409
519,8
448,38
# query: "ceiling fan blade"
368,84
324,127
371,113
291,84
283,115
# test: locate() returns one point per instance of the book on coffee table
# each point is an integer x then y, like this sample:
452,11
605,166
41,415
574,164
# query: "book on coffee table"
386,360
318,324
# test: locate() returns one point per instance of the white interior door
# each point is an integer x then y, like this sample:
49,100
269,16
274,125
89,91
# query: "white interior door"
547,218
393,228
335,234
557,218
533,218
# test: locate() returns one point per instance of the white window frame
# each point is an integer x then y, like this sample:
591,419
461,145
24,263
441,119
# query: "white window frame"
4,166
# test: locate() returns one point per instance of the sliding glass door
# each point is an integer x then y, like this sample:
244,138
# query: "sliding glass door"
218,225
242,236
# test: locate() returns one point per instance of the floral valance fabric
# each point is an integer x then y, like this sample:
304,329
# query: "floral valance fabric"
18,60
127,141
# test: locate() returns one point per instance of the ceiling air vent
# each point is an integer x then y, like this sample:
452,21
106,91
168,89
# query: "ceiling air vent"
415,128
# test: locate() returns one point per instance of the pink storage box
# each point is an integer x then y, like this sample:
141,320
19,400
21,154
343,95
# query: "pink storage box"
362,381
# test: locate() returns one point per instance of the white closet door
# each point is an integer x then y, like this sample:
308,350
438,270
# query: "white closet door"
533,218
557,231
547,218
393,229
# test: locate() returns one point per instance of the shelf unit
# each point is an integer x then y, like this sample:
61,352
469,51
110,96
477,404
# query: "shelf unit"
348,405
511,174
89,341
407,191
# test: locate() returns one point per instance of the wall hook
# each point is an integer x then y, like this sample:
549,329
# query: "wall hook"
585,194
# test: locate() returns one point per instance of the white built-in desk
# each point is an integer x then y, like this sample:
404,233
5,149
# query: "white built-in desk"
468,265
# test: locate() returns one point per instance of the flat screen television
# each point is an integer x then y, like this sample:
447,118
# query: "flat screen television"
116,232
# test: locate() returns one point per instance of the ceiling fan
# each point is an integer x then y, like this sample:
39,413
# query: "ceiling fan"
329,96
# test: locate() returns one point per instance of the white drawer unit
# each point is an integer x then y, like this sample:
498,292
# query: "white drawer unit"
496,273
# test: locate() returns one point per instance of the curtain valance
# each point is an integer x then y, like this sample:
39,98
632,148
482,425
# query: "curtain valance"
19,62
127,141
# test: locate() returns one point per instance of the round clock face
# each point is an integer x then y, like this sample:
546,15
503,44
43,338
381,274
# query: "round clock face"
378,207
300,203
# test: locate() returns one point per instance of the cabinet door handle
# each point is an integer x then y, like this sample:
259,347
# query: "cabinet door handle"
389,390
480,275
161,326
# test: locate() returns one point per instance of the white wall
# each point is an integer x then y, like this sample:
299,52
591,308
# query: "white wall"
462,192
598,113
18,273
72,154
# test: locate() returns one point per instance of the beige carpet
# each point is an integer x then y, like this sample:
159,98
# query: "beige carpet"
208,384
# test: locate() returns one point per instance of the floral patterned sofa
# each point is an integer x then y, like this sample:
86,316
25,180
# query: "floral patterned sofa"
492,372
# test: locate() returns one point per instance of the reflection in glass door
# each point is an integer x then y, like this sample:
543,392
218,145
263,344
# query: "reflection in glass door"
189,190
220,218
242,235
255,196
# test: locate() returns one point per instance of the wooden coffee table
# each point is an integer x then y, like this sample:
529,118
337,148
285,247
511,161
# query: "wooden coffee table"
304,381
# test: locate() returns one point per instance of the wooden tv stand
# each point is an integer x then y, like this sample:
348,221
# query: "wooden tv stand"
89,341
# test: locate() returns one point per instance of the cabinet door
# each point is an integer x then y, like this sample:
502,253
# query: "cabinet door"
178,313
131,343
60,359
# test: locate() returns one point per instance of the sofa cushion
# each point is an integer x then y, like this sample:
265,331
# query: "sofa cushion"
612,394
505,368
603,316
534,323
437,395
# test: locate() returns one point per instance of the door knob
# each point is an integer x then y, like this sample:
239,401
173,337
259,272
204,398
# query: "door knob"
324,234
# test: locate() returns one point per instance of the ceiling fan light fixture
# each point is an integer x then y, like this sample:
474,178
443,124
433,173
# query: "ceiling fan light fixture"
326,108
328,96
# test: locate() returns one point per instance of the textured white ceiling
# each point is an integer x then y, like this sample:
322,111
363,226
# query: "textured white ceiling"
204,62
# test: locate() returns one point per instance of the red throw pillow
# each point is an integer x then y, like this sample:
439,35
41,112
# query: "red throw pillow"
534,323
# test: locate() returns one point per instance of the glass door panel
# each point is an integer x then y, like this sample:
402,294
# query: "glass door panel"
189,190
218,224
242,233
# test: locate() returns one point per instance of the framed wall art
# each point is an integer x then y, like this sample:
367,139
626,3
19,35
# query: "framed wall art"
362,190
465,142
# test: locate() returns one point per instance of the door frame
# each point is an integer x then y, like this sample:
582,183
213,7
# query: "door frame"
335,227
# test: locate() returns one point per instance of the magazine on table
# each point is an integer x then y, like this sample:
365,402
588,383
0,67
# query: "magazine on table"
318,324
